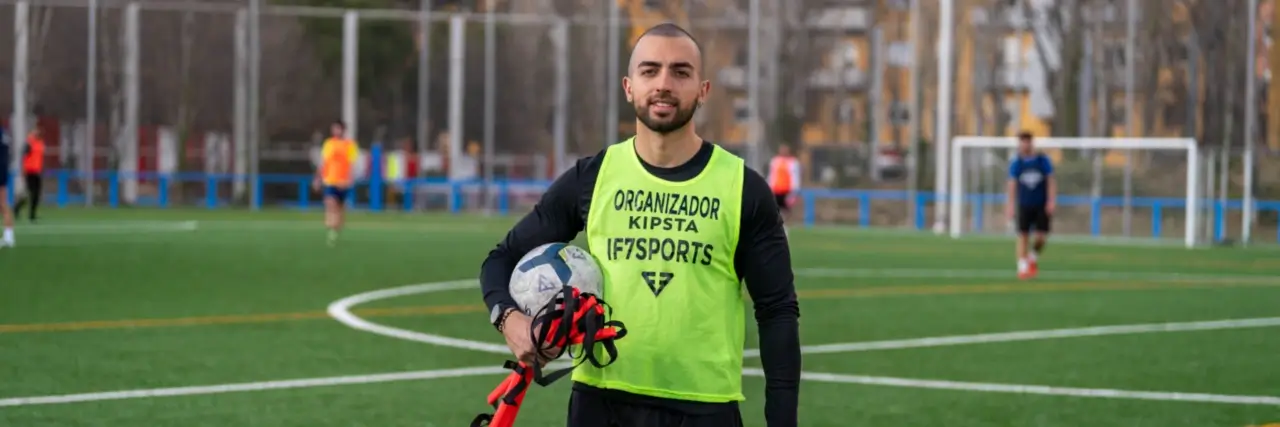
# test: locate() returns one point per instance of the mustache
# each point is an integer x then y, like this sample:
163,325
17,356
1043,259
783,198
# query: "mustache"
664,98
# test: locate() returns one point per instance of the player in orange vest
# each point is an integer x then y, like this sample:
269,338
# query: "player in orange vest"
7,238
32,167
337,158
784,178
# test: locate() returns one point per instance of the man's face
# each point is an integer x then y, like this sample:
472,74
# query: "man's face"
1024,147
335,130
663,83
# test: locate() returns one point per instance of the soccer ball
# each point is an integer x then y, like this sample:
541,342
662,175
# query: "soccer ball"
543,273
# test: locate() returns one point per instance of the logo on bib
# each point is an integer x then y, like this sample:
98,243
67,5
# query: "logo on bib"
657,280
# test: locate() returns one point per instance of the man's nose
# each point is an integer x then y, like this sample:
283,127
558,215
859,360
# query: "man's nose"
665,81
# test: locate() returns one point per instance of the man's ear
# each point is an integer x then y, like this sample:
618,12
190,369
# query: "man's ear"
626,88
704,91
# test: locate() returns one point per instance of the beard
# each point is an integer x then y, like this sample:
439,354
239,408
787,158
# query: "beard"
664,126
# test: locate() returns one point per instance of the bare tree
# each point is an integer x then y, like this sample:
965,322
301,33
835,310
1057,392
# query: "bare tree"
1215,28
1057,35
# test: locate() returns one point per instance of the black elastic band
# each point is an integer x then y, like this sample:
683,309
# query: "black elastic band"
564,307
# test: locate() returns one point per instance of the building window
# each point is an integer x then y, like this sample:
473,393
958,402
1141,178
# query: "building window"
1009,113
1176,51
845,110
741,110
844,55
1114,56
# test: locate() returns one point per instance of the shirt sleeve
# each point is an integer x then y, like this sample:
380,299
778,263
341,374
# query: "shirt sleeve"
1015,167
764,261
795,175
555,218
1048,165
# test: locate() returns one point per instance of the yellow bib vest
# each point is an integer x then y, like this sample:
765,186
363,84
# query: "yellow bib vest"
666,249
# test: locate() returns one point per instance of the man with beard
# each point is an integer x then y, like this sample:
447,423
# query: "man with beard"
677,224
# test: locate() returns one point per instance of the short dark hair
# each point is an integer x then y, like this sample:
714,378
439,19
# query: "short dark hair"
339,123
1024,136
670,29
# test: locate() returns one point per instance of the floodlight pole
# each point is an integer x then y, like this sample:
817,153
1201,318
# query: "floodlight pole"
1250,123
942,134
91,104
1131,126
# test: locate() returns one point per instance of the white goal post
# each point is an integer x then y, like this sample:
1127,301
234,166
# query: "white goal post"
956,196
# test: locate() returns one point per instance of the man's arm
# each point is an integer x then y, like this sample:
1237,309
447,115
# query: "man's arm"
764,261
1051,183
1011,189
325,151
555,218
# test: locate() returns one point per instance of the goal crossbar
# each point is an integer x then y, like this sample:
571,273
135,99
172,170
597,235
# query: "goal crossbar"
956,174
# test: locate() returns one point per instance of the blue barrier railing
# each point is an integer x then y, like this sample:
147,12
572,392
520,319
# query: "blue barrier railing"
503,190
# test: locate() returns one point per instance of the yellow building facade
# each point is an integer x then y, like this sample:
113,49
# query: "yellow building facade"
841,116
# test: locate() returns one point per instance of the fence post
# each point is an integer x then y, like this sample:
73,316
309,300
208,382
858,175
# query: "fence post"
810,205
864,209
1157,218
376,178
1095,216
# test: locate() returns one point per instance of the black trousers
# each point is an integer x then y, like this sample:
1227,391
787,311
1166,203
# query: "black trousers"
587,409
34,184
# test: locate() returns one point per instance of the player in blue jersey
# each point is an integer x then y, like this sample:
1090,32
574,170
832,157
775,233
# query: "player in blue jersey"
1033,192
7,238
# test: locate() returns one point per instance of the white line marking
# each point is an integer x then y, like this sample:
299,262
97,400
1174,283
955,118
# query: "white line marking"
1037,335
340,310
107,227
485,370
342,313
915,273
1032,389
256,386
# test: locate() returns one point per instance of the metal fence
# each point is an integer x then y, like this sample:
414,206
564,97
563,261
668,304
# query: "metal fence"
225,102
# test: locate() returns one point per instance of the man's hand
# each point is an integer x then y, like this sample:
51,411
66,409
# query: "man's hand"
1008,211
1048,207
516,330
315,184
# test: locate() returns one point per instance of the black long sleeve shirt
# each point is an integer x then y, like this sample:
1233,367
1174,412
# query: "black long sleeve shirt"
763,260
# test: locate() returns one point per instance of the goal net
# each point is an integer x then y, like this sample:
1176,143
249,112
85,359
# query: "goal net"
1157,198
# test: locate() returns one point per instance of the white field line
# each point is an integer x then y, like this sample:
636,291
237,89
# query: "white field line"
1096,331
255,386
341,311
1032,389
487,370
106,227
932,273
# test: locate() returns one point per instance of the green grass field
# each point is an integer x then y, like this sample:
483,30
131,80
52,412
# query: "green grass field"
197,318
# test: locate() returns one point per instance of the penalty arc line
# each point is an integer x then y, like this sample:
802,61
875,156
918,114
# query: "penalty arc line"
341,311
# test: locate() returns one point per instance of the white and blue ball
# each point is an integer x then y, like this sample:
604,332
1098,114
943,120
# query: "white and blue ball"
543,273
